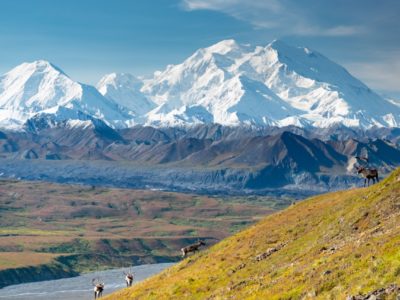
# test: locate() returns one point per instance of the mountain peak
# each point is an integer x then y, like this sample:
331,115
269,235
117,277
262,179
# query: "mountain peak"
322,92
117,80
234,83
37,66
296,53
41,63
285,49
223,47
39,86
34,86
124,89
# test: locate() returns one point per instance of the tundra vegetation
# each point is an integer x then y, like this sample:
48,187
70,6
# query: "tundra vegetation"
64,230
342,245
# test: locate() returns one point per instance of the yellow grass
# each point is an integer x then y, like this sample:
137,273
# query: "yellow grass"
336,245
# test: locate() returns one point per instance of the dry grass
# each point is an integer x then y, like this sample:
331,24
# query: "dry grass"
12,260
336,245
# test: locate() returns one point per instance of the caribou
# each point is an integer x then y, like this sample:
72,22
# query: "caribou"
98,288
368,174
192,248
129,278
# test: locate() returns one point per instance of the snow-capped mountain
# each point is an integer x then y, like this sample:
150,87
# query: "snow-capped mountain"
206,80
124,89
226,83
324,90
276,84
40,87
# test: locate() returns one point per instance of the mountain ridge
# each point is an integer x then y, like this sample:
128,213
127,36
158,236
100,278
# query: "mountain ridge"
41,88
202,159
226,83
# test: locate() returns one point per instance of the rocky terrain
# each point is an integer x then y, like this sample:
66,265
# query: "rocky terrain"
204,159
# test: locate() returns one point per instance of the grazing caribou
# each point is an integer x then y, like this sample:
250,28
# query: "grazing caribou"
98,288
368,173
129,278
192,248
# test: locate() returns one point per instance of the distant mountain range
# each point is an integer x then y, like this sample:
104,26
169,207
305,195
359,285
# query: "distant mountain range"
228,84
202,158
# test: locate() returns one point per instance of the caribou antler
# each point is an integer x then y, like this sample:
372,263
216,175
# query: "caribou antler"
130,272
96,281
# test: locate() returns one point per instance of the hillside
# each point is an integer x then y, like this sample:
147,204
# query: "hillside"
327,247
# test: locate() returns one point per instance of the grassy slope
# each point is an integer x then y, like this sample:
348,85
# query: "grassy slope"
354,235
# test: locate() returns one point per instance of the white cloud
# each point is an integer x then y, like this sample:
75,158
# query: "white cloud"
255,12
233,5
273,14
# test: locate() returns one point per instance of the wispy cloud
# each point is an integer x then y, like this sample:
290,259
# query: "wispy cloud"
285,15
329,31
232,5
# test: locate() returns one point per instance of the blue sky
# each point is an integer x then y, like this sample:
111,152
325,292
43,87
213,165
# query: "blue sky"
88,38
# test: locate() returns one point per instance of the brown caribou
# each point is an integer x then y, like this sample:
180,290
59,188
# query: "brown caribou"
129,278
368,174
192,248
98,288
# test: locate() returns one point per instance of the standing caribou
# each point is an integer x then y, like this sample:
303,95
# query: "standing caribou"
192,248
98,288
368,173
129,278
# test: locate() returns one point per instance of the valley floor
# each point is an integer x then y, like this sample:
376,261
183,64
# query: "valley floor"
52,230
